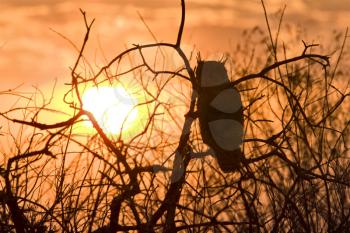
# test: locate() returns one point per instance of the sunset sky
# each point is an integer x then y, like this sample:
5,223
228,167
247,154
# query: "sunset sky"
34,54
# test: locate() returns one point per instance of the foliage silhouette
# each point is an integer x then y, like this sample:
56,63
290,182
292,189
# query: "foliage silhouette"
294,176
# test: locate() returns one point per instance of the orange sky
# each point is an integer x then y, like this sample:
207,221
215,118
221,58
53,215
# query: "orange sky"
32,53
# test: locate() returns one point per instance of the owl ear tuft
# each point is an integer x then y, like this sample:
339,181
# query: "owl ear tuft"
224,59
199,64
199,58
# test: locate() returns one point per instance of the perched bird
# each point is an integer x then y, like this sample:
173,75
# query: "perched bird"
220,114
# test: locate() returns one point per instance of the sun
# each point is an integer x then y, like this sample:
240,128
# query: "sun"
113,108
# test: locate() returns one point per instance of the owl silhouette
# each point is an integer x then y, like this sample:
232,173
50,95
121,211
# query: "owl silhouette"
220,114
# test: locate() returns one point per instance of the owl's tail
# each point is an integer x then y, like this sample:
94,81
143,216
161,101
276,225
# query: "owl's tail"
229,161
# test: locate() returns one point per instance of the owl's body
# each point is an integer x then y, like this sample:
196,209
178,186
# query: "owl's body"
220,115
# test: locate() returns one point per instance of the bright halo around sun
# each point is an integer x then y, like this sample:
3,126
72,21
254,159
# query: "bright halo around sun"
113,108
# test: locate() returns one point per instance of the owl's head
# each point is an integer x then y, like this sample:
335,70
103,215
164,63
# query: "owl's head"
211,73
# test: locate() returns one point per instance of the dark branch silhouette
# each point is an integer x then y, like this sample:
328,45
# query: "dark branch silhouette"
284,169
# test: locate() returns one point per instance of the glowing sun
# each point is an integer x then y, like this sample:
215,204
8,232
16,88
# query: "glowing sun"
113,108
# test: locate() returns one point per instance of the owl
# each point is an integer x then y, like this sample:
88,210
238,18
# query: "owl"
220,114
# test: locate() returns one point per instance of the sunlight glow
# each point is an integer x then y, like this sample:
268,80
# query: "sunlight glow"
112,107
